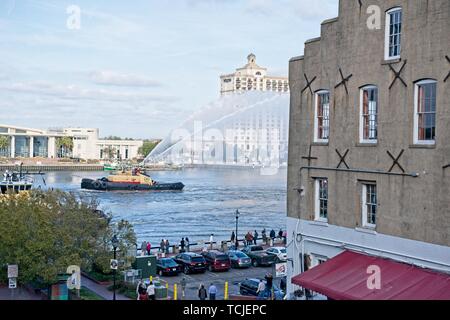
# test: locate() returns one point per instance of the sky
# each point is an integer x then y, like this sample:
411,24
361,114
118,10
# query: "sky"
138,68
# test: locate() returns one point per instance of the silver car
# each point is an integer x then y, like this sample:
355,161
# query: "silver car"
239,259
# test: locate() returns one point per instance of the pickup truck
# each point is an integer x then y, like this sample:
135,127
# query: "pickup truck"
259,256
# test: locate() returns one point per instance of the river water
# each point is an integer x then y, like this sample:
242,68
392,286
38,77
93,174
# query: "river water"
207,204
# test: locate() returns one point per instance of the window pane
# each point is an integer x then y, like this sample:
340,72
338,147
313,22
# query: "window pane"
426,111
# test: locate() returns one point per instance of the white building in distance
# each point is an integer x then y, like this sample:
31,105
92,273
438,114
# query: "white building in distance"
252,77
36,143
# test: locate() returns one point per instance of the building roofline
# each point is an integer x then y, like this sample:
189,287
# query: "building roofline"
22,128
312,40
298,58
332,20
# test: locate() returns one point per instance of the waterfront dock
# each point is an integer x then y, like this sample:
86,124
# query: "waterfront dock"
53,167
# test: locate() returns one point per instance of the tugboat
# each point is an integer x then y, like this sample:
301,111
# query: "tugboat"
15,181
132,180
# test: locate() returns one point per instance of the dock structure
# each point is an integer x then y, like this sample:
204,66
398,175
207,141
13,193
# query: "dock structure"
53,167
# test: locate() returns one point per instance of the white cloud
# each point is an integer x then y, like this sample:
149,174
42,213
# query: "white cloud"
112,78
74,92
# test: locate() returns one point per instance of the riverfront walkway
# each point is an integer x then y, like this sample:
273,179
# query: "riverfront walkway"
101,290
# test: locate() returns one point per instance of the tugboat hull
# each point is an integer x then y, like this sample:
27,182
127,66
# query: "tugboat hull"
100,185
16,187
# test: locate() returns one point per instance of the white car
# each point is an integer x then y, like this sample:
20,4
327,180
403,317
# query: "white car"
280,252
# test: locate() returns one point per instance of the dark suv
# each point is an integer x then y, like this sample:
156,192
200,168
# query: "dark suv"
191,262
217,261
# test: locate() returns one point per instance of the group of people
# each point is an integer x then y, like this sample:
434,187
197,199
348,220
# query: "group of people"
145,292
146,248
184,245
164,246
251,238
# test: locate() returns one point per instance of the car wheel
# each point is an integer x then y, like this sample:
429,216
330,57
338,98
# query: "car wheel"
255,263
186,270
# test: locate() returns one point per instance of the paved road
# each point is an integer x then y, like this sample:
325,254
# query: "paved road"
233,276
18,294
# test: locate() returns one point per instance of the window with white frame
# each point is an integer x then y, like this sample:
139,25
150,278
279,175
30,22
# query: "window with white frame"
425,112
369,115
369,204
321,199
322,116
393,33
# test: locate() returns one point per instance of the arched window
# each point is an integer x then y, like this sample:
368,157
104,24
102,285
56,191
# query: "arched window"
368,127
322,116
393,33
425,111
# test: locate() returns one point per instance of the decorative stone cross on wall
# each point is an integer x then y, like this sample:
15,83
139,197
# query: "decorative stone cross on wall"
310,157
308,83
344,80
398,75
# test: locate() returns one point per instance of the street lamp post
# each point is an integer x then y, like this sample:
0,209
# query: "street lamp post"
237,218
115,244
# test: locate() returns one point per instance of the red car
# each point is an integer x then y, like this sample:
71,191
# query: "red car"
217,261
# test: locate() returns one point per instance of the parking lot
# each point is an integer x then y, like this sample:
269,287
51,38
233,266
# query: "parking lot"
233,277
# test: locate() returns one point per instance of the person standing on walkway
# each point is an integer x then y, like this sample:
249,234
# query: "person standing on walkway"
261,287
151,291
161,246
280,234
143,247
233,238
183,287
202,294
255,237
167,246
187,244
182,244
149,248
211,241
212,292
264,236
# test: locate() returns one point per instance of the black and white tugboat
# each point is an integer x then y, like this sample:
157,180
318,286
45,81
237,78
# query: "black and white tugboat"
15,181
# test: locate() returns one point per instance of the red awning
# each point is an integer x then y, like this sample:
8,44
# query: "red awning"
345,276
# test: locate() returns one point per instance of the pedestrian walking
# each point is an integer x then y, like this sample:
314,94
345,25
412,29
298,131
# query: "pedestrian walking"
162,245
211,241
167,246
255,237
280,234
261,287
151,291
140,288
183,287
182,244
212,292
202,294
149,248
285,237
233,237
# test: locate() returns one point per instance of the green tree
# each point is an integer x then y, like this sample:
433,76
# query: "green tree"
147,147
110,152
65,146
45,232
4,145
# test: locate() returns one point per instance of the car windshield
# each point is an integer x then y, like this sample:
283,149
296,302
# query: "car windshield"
283,250
222,257
241,255
257,248
169,263
197,259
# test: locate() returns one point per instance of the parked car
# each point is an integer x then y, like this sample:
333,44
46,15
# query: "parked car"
279,252
259,256
167,267
217,261
249,287
191,262
239,259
